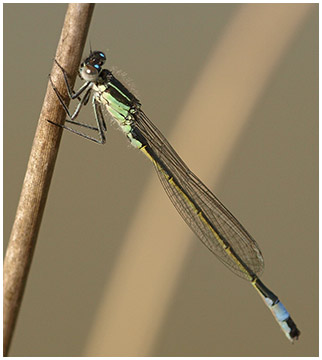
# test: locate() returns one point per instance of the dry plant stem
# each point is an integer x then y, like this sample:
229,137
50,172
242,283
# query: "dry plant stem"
40,169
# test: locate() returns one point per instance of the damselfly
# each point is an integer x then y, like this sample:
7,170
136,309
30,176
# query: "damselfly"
208,218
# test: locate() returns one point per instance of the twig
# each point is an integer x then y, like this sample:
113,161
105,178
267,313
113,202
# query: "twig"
40,169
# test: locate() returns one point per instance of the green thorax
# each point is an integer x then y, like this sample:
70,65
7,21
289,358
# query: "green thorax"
119,101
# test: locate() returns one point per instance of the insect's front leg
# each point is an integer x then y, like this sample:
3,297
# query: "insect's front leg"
81,101
71,93
101,126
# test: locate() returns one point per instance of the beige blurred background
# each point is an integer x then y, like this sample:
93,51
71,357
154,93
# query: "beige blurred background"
116,272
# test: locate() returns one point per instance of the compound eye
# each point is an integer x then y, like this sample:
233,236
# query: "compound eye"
102,57
89,72
97,58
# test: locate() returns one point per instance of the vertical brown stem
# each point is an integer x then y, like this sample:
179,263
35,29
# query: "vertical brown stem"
40,169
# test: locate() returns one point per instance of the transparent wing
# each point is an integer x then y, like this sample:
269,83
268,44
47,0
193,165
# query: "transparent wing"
190,187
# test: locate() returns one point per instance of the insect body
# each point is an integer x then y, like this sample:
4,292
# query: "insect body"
208,218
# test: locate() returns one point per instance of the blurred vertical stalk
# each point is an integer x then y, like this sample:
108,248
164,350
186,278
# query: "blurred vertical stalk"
40,169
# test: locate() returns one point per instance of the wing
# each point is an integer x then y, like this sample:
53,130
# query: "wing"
202,211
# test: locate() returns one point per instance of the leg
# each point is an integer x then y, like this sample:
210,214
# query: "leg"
101,126
99,119
71,93
81,100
